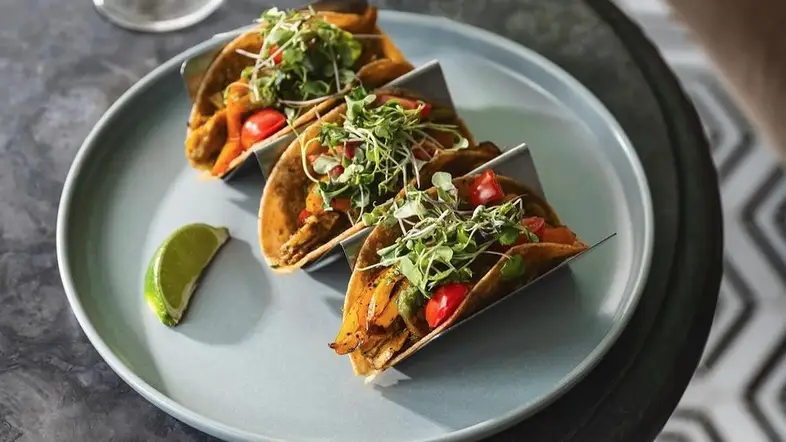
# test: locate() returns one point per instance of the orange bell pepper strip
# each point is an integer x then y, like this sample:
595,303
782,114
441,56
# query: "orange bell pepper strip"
237,105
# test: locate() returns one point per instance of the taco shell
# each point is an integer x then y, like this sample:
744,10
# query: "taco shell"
539,257
284,196
380,62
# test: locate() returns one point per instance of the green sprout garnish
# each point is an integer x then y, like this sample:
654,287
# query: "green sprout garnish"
316,61
441,240
382,140
513,267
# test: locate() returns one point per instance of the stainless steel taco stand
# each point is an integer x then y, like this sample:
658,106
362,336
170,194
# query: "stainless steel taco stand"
600,352
427,80
515,162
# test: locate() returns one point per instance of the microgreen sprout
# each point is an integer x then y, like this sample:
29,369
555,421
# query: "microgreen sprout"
441,238
303,61
374,146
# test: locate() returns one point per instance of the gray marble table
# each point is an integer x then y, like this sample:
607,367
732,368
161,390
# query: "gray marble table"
61,66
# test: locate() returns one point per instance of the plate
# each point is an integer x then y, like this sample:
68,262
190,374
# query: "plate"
250,362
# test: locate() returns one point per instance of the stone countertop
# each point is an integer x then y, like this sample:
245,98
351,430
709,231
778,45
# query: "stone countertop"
61,67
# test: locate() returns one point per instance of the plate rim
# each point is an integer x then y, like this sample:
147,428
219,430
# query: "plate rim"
473,432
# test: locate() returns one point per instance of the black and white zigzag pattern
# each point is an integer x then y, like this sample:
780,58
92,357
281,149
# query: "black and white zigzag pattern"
739,392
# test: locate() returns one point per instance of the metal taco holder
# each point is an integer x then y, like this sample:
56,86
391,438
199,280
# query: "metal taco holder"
556,269
429,81
561,266
517,163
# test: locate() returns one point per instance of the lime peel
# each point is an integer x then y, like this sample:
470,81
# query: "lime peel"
177,266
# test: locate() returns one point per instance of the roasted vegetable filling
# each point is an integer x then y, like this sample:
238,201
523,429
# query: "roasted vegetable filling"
447,243
381,144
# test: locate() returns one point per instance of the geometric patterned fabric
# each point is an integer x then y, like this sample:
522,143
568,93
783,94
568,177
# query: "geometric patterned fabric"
738,393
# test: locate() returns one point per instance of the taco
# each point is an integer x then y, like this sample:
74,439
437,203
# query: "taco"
439,255
279,76
348,164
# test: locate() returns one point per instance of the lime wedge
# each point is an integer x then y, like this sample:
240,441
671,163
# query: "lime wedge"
177,266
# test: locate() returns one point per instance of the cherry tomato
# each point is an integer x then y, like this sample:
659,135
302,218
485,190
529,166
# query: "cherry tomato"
301,218
421,154
278,58
261,125
534,224
404,102
485,189
316,153
424,113
407,104
444,302
348,148
336,171
558,235
340,204
445,139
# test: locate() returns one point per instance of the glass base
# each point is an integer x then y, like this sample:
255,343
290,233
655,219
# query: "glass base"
156,15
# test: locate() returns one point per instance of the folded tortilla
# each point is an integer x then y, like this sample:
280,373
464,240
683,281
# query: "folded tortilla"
284,196
379,63
369,334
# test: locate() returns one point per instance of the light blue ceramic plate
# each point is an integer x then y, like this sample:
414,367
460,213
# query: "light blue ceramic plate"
251,361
